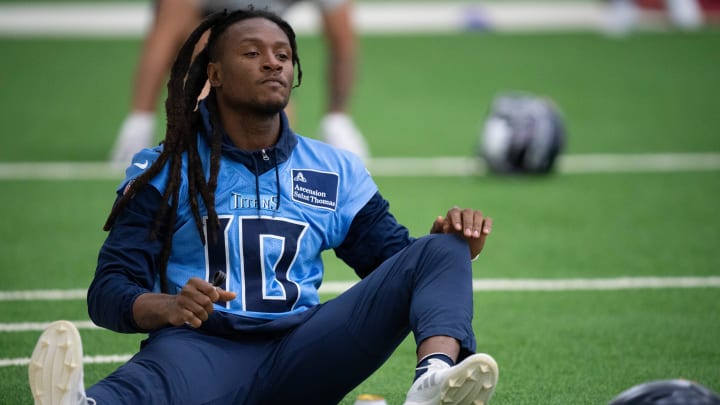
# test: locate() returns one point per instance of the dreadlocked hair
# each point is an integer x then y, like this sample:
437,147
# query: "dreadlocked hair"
187,79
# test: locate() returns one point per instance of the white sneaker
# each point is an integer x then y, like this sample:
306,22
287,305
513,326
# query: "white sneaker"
56,369
471,382
135,134
685,14
622,17
339,130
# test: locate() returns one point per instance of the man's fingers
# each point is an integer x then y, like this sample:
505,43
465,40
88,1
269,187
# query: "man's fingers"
225,295
202,286
196,299
218,294
200,293
201,313
487,226
454,217
477,227
470,223
189,319
437,226
481,225
470,226
196,311
198,305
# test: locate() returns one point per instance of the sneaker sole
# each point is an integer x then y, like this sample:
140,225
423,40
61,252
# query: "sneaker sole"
55,369
472,382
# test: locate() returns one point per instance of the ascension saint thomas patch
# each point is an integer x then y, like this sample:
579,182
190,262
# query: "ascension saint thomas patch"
318,189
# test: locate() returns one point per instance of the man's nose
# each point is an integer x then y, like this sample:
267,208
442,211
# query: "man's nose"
272,63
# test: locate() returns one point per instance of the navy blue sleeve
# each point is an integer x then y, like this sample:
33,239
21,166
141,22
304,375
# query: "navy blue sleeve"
373,237
126,264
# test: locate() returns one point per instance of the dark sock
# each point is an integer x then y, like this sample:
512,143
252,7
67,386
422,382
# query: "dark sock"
421,367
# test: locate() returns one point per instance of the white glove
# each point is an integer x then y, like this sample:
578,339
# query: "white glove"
339,130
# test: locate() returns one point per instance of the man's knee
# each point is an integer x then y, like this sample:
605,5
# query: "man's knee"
442,252
445,245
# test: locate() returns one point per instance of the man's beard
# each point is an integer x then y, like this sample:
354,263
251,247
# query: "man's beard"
264,108
268,108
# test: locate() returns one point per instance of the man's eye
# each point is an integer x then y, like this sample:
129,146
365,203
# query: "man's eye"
283,56
251,54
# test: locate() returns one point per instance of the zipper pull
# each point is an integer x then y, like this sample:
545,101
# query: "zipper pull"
264,155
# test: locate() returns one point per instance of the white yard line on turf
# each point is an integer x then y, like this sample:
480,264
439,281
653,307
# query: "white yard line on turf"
621,283
40,326
568,284
337,287
408,166
132,20
43,295
566,164
113,358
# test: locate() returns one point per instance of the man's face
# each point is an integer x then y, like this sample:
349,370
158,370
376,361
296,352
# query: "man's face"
254,69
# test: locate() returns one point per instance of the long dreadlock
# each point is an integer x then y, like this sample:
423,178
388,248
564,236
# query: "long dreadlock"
187,79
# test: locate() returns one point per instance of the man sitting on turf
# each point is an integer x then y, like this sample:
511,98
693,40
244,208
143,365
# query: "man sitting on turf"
270,201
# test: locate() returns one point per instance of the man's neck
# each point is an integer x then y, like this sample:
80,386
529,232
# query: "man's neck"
250,131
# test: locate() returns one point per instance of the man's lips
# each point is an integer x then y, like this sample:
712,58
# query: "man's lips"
273,80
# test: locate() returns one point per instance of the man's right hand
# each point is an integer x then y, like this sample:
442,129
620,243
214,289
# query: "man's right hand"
192,306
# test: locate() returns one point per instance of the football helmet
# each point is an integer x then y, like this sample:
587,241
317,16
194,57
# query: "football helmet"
522,133
667,392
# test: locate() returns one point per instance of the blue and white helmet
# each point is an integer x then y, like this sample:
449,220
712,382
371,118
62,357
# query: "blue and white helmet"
667,392
522,133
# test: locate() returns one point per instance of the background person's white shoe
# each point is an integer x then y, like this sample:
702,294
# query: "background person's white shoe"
56,369
339,130
685,14
622,17
471,382
135,134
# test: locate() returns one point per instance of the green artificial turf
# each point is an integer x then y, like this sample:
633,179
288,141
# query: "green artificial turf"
63,100
415,95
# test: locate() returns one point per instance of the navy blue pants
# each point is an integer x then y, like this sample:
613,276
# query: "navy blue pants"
426,288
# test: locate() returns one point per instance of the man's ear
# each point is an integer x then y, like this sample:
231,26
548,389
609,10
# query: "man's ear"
214,73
